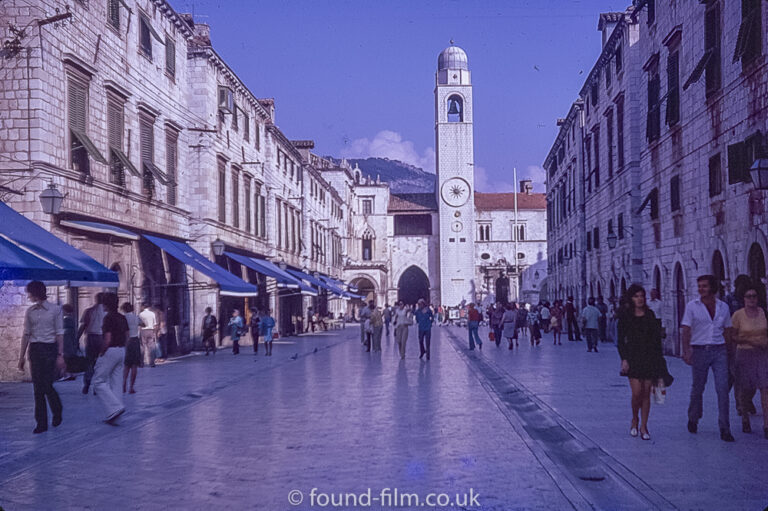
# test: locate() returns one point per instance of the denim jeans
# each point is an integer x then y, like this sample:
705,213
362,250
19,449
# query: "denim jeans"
704,357
42,366
92,351
425,339
591,334
474,337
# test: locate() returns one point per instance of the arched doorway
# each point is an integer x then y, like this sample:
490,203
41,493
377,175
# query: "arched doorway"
718,270
365,288
502,289
756,263
679,280
413,285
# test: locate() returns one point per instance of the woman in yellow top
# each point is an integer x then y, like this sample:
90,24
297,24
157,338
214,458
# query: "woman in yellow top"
750,332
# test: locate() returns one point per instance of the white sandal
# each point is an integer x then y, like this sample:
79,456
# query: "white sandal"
646,436
633,432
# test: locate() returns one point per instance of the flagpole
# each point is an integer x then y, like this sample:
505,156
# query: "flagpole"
517,237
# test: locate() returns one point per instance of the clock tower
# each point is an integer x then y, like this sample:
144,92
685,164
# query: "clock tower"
455,177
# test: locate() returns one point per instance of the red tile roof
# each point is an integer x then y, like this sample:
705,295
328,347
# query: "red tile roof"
412,202
506,201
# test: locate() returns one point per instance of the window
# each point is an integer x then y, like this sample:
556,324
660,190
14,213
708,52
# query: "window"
712,36
620,226
235,118
115,126
113,13
82,147
738,167
674,193
170,57
715,176
257,135
147,143
222,190
246,127
484,232
518,232
651,11
367,249
596,138
654,198
413,225
367,206
589,241
257,211
749,43
609,140
589,163
247,197
610,226
279,216
673,89
608,75
594,91
226,99
596,238
620,133
653,118
618,56
146,33
172,163
455,109
263,216
235,198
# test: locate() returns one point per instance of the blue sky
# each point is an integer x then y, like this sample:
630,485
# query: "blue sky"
357,77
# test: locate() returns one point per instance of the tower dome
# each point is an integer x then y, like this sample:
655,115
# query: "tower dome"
452,57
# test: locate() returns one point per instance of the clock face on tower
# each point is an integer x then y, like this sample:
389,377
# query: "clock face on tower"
455,192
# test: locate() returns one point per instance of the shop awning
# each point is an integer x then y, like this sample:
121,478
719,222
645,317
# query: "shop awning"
100,228
347,294
29,252
229,284
266,268
319,284
333,287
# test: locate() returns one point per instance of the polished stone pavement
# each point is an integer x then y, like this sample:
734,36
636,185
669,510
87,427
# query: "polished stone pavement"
540,428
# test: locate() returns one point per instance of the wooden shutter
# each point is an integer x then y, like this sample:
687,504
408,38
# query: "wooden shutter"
113,13
736,163
171,163
235,200
673,89
78,103
147,138
170,56
222,190
115,123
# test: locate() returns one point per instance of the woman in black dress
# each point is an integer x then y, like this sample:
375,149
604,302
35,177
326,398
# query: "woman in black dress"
642,359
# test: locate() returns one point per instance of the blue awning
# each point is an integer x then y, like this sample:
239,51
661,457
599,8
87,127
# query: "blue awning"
335,289
229,284
266,268
319,284
98,227
29,252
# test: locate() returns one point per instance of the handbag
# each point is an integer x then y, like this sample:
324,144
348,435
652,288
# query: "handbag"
491,336
275,335
659,393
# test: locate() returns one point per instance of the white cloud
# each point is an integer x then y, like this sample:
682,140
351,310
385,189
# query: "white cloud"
390,144
489,184
538,175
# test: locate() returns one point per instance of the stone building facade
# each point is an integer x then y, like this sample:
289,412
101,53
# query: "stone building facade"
696,125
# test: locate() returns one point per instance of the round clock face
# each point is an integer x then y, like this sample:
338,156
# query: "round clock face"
455,192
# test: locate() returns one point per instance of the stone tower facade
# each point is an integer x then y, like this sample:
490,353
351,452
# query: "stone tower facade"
455,177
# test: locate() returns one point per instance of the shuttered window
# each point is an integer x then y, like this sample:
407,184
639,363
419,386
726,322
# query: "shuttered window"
145,36
653,118
235,119
113,13
235,199
257,135
247,206
674,193
172,163
222,190
715,176
620,133
78,101
81,146
246,127
262,216
115,123
147,147
609,141
673,89
712,42
170,57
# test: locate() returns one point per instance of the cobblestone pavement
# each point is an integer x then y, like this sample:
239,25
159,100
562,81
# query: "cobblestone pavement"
539,428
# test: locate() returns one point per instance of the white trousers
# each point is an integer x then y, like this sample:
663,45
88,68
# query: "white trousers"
108,379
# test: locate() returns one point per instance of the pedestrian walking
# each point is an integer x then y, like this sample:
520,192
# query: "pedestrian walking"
497,323
235,327
364,314
90,324
148,334
642,359
209,331
71,345
387,314
750,333
402,320
613,319
522,323
570,317
705,325
557,322
735,300
108,372
546,317
590,318
377,326
602,321
509,322
43,337
161,332
424,319
474,317
267,326
132,359
253,328
534,325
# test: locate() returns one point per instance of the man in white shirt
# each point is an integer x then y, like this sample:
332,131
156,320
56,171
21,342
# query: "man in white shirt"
365,313
148,334
706,326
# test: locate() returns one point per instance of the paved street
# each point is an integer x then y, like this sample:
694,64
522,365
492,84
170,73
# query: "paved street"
538,428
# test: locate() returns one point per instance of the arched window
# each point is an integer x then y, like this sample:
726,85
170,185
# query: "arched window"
367,245
455,108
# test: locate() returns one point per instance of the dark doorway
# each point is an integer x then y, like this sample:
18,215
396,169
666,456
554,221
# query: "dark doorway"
413,285
502,290
718,270
756,263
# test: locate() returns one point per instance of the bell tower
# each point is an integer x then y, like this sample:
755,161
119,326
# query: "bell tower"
455,176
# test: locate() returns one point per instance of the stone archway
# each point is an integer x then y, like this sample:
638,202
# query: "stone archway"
756,263
413,285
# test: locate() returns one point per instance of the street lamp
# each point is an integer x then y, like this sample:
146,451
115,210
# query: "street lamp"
612,239
218,247
51,199
759,173
281,264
